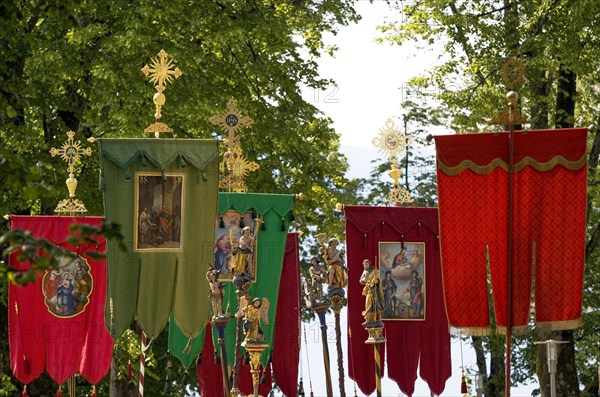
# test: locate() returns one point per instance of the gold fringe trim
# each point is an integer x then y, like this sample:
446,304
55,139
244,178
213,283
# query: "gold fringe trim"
470,331
499,163
559,325
515,330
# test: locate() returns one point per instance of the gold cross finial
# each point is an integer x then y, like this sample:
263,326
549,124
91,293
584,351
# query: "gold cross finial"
234,166
71,152
513,71
392,143
161,72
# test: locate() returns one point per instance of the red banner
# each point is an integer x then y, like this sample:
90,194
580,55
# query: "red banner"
286,349
57,323
403,244
548,244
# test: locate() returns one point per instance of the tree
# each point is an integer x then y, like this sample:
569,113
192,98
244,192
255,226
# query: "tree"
69,65
558,44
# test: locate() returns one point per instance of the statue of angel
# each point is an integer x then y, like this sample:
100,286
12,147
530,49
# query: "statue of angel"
253,312
215,292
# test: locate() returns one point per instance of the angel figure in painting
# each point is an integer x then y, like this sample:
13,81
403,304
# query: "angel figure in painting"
215,293
253,312
374,302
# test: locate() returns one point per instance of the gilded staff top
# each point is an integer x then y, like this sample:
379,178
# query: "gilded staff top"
161,71
234,166
71,152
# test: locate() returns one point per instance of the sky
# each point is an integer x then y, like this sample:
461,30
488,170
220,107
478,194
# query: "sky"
370,81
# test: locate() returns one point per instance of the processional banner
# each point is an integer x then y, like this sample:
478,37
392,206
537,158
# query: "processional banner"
163,192
57,322
403,244
274,211
549,223
285,342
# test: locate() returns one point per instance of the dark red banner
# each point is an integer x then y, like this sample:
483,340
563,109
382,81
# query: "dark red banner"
403,244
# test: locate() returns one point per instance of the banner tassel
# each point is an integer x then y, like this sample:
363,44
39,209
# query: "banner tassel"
463,385
24,394
188,347
94,391
59,392
129,370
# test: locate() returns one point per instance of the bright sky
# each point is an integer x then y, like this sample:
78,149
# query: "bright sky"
370,78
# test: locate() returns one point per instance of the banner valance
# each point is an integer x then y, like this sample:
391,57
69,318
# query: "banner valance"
549,216
483,153
403,243
163,192
57,323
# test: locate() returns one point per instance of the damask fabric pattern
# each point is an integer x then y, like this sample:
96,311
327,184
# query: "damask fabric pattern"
286,340
275,211
549,199
148,286
62,345
409,343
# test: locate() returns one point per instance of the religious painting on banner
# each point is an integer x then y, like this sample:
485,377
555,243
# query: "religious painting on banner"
67,288
236,245
402,273
159,205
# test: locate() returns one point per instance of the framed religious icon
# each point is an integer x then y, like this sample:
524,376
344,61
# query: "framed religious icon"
68,287
158,209
402,272
236,245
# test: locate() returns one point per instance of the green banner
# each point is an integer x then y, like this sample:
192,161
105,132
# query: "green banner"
275,211
163,193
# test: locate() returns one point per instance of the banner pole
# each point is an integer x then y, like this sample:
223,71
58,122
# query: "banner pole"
512,98
321,314
336,306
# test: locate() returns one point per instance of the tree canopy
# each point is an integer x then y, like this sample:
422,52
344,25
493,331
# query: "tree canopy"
71,65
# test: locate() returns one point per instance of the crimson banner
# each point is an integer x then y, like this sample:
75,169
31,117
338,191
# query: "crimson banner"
403,244
548,244
57,323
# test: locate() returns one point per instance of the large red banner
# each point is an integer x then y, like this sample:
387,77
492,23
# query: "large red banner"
57,322
403,243
548,228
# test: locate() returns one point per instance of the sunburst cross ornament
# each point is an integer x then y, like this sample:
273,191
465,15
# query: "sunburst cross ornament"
161,71
392,143
71,152
235,166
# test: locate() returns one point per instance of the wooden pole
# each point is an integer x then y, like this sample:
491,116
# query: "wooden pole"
512,98
321,314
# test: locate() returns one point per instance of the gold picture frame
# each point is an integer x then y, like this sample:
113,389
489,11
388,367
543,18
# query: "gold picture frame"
229,228
402,272
159,205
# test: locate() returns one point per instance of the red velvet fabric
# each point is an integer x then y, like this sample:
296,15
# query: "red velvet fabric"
286,351
40,340
549,199
409,343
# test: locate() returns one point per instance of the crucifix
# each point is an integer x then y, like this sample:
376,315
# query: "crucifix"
234,162
71,152
161,71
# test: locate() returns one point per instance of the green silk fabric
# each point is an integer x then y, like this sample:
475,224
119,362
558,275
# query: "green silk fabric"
275,210
150,286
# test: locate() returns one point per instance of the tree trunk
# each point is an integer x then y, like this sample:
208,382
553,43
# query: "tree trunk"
565,97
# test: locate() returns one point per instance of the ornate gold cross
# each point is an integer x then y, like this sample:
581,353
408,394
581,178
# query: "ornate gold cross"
161,72
71,152
391,143
234,162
